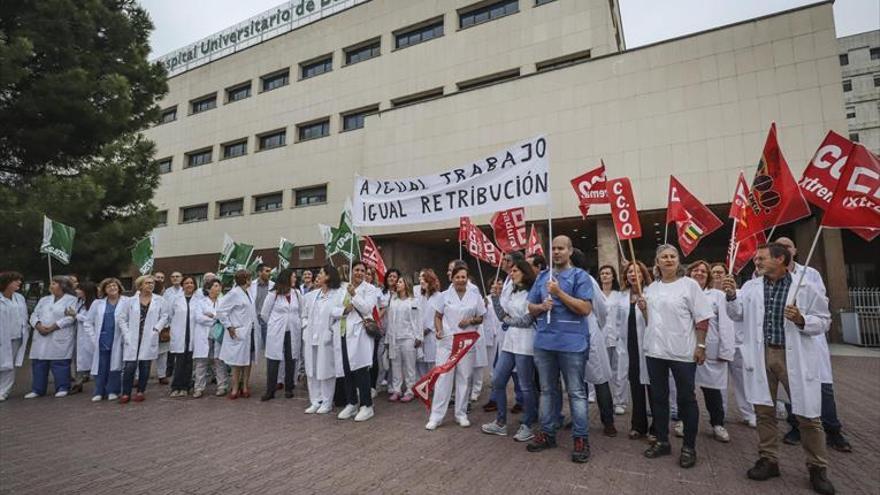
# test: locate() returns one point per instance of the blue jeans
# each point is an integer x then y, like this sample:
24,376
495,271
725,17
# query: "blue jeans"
143,371
106,381
60,371
684,375
571,364
503,370
830,421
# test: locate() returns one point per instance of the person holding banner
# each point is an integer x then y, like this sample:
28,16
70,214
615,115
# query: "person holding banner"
54,340
207,339
677,313
107,340
403,335
318,354
720,347
182,318
353,346
631,363
281,312
459,309
560,301
242,339
429,294
13,330
779,347
140,318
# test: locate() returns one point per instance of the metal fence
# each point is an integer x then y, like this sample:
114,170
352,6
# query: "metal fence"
862,327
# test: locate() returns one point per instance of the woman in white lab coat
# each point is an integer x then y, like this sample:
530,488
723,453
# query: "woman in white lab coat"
242,338
352,346
208,339
403,336
281,312
182,318
318,352
610,292
106,336
140,319
720,345
631,367
13,330
429,293
86,293
53,339
459,310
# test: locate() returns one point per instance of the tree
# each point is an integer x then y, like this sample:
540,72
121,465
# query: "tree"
74,77
108,203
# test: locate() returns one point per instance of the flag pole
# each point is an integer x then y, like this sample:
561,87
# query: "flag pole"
632,253
772,230
806,264
49,259
550,241
735,246
666,233
480,269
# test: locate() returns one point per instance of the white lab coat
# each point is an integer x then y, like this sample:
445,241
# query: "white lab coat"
282,317
60,343
94,325
205,311
404,324
801,350
623,357
454,310
177,321
517,340
317,336
252,290
128,320
611,325
236,310
598,367
358,344
426,314
720,344
813,278
85,345
13,326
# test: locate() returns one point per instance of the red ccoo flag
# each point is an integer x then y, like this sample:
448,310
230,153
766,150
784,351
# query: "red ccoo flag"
743,249
693,220
510,229
534,246
623,209
464,225
373,258
775,198
481,247
856,201
590,188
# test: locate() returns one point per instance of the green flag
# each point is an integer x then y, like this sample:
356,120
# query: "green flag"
234,256
142,254
57,240
252,267
285,253
343,239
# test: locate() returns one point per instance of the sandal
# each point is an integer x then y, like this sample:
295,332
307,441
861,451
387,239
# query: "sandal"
658,449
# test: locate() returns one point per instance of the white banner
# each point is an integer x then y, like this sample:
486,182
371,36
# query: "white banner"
516,176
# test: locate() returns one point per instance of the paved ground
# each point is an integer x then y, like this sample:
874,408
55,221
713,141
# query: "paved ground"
213,445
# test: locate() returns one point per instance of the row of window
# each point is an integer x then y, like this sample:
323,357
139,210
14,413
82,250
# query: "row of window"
848,86
411,35
305,196
874,54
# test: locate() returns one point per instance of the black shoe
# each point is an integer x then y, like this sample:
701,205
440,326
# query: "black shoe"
793,437
609,431
819,481
490,406
838,442
658,449
763,470
516,409
688,457
581,451
288,394
267,396
542,441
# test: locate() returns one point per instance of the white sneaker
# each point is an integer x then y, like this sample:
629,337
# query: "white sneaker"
752,422
325,408
112,396
348,412
463,422
619,410
721,434
3,398
31,395
373,393
494,428
97,398
364,414
431,426
679,429
61,394
312,409
524,434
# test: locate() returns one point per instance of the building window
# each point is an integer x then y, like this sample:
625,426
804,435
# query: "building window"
412,36
204,104
487,80
168,115
473,16
276,80
191,214
165,165
162,218
364,51
314,130
555,63
272,140
268,202
847,86
239,92
198,158
850,112
416,98
232,150
231,208
316,68
306,252
542,2
854,137
355,119
844,58
877,81
875,53
306,196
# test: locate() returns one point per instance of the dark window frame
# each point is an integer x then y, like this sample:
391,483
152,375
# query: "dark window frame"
184,209
854,137
228,145
259,197
321,61
282,75
317,188
210,101
168,111
374,46
843,59
360,114
169,160
488,80
262,139
221,204
190,154
416,34
247,86
850,112
162,220
305,127
419,97
563,61
874,53
483,12
847,85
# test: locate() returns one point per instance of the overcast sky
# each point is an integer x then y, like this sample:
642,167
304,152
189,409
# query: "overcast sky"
179,23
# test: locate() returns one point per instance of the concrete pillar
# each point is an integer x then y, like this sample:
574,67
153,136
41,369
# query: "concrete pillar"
606,242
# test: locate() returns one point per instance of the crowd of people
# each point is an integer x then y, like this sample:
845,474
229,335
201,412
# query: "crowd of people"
656,333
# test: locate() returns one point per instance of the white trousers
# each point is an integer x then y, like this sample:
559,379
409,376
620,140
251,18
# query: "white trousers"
477,382
161,364
403,366
461,374
7,380
746,410
619,388
202,364
321,391
423,367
